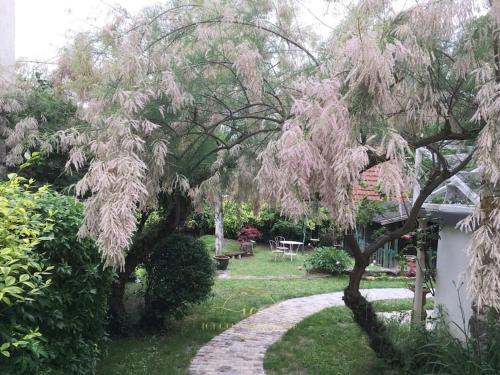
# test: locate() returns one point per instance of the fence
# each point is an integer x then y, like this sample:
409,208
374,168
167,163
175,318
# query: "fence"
385,257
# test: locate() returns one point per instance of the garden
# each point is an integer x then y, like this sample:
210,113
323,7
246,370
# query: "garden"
214,187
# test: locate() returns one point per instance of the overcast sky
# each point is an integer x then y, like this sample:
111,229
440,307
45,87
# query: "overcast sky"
43,26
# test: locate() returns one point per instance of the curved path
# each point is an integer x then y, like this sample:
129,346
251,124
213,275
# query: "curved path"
240,350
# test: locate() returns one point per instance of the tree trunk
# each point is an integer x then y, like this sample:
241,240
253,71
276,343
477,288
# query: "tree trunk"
138,253
364,315
118,316
418,299
219,221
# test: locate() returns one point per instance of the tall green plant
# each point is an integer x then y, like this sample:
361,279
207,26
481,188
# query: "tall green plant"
23,275
49,323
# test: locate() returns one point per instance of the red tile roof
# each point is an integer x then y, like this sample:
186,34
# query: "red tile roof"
369,182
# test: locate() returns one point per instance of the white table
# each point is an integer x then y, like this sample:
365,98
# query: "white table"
291,244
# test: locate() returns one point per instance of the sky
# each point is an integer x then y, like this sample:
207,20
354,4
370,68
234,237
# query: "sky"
43,26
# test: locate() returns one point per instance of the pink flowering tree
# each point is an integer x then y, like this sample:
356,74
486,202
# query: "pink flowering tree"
170,100
174,97
391,82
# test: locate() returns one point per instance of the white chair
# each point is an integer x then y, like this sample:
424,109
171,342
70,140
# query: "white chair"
279,245
277,251
278,240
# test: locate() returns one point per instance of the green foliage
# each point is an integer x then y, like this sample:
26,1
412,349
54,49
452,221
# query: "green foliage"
287,229
71,313
438,352
180,273
23,276
329,260
63,322
53,112
368,209
238,214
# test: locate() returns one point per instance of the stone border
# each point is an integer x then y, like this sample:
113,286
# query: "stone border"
240,349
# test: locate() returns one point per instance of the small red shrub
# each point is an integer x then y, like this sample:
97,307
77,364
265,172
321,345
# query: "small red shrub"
248,233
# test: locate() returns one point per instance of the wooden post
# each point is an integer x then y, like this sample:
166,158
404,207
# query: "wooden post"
419,280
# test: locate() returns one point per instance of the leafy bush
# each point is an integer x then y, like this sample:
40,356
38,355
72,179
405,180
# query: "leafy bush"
287,229
201,222
180,273
328,260
68,313
23,276
72,312
438,352
248,233
239,214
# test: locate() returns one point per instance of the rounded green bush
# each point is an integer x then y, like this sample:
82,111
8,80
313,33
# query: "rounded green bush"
328,260
180,272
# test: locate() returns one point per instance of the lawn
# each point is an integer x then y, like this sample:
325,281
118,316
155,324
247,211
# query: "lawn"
329,342
170,352
261,264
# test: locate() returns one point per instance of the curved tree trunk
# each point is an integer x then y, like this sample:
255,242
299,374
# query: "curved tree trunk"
364,315
117,313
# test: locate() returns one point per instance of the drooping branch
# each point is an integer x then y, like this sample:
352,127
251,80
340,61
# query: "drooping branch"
235,22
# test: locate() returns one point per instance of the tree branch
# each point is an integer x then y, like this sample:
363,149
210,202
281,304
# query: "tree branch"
437,178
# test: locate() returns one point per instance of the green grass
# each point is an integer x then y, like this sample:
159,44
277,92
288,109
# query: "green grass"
231,301
329,342
261,264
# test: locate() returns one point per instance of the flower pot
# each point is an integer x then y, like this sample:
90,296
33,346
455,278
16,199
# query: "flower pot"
221,262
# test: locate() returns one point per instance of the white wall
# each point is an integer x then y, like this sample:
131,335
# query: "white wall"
7,36
451,292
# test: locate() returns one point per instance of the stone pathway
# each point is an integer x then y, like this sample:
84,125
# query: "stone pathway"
240,350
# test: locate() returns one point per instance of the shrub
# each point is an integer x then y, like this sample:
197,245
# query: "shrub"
23,276
72,312
180,273
68,314
328,260
249,233
438,352
287,229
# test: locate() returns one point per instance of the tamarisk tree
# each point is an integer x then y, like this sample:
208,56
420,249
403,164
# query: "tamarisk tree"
391,82
170,98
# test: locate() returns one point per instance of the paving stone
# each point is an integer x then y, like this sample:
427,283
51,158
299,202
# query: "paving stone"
240,349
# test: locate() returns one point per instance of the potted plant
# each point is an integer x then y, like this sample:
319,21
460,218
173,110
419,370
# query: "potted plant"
221,262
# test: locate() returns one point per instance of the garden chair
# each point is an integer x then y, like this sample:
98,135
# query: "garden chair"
276,250
278,240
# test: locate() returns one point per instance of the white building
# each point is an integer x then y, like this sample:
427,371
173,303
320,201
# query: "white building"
454,200
452,262
7,34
